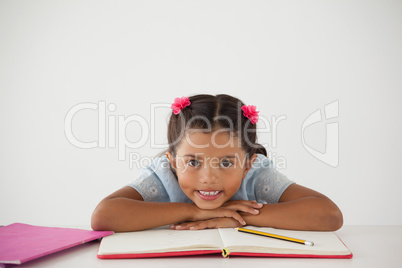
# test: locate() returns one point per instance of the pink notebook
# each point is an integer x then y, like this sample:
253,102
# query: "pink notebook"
20,242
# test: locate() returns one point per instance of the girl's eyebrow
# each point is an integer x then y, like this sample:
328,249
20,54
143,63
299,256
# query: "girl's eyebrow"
190,155
229,156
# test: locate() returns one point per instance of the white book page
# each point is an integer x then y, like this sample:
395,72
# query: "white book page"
160,240
324,242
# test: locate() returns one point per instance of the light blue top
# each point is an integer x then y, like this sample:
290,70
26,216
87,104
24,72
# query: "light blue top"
263,183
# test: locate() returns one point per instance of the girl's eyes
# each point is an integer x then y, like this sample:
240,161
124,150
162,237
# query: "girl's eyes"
196,163
226,164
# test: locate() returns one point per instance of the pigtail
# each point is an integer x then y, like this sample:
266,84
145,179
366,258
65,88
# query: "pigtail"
259,149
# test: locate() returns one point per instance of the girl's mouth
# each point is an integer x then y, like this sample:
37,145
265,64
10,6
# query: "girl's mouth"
209,195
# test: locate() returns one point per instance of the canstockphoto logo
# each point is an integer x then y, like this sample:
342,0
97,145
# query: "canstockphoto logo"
331,154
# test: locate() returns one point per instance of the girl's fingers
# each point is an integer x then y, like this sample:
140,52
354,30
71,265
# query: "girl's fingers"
192,225
207,224
248,208
253,204
228,213
257,205
228,210
222,213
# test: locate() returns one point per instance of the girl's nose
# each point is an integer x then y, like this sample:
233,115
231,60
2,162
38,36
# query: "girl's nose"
208,175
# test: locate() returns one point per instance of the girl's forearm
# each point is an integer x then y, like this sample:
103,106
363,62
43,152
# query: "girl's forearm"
309,213
124,214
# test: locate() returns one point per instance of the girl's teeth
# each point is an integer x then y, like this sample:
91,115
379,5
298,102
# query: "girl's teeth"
209,193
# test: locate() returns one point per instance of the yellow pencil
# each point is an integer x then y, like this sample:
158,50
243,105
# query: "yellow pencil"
281,237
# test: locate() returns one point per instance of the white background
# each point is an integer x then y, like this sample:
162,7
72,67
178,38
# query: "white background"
288,58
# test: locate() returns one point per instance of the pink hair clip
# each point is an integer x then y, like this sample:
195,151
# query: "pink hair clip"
179,104
250,112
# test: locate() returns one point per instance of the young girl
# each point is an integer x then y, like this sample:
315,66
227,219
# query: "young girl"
214,175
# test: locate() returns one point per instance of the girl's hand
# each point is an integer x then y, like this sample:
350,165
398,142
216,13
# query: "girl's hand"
207,224
199,214
227,216
250,207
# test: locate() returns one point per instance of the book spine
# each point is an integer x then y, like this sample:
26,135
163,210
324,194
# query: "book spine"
157,254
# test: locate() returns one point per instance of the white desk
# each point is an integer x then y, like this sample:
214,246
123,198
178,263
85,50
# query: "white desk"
372,246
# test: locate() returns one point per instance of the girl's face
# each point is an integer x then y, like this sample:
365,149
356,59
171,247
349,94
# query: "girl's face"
210,167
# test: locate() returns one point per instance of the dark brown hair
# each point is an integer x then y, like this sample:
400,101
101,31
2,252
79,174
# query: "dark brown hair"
208,112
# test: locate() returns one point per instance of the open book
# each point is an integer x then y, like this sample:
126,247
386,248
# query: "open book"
163,242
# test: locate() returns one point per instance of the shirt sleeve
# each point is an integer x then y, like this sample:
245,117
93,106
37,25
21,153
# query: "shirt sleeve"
150,187
158,183
266,183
